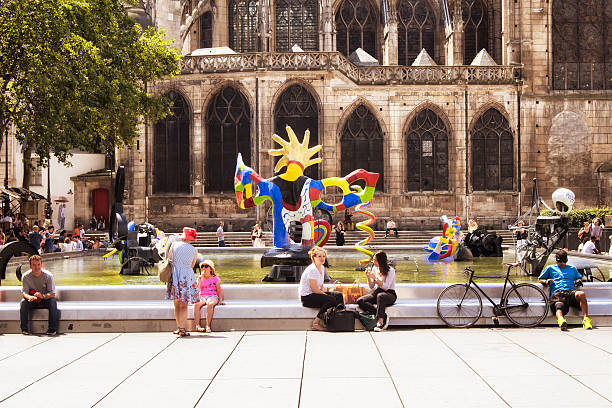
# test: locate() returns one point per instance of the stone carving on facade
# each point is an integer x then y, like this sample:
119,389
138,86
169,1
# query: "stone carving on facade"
327,26
263,25
189,19
367,75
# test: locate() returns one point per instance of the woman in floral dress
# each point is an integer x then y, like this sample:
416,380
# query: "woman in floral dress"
183,289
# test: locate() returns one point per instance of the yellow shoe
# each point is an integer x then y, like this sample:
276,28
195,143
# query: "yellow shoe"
562,323
586,323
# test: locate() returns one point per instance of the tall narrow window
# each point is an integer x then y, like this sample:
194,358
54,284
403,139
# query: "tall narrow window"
361,142
427,152
492,153
228,132
297,23
475,29
582,44
297,108
243,25
171,148
415,30
356,27
206,30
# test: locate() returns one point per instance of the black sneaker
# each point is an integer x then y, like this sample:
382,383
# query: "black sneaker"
51,332
25,332
379,327
386,323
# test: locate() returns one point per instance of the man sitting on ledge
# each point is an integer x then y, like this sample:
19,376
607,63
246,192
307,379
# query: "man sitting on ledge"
562,280
38,292
391,227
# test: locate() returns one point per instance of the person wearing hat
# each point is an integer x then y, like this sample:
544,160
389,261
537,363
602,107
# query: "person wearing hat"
562,279
183,288
211,294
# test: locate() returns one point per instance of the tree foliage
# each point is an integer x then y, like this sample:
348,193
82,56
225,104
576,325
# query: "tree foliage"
74,74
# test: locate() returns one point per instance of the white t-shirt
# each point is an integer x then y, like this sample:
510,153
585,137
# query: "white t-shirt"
388,281
220,234
588,248
311,272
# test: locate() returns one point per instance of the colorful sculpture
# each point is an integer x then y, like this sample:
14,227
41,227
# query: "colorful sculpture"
365,226
294,195
444,247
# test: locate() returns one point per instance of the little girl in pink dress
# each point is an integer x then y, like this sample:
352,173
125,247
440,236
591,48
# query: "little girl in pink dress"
211,294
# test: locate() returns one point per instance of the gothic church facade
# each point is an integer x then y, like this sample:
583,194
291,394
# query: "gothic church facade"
450,128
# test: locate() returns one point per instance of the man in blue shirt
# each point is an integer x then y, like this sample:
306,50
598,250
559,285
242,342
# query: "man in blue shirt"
562,281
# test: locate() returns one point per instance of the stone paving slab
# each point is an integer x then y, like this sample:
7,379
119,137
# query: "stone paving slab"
424,367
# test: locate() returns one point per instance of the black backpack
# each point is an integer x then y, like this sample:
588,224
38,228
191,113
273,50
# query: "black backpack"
338,319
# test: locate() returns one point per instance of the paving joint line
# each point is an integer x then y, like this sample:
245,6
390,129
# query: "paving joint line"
219,369
558,368
387,368
57,369
134,372
471,368
26,349
590,344
303,365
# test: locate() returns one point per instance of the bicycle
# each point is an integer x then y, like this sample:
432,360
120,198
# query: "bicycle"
524,304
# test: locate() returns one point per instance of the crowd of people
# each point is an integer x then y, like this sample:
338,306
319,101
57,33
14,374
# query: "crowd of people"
43,236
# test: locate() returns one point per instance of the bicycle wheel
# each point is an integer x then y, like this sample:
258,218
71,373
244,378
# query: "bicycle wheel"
459,305
526,305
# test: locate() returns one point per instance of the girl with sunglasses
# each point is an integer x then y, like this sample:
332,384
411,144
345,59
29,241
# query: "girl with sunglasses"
211,294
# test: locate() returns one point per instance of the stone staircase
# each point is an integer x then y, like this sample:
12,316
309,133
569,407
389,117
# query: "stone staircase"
421,238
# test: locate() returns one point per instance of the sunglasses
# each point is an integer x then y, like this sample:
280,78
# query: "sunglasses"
205,266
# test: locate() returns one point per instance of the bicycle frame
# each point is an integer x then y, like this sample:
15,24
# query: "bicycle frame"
498,309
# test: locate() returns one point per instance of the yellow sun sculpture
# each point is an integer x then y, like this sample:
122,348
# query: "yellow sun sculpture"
295,155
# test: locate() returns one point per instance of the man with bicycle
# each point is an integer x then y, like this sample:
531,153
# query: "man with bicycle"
562,279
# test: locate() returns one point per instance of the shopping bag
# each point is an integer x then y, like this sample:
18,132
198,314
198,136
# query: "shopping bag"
354,292
339,288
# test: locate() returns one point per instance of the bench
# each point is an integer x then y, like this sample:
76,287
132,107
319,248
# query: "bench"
249,307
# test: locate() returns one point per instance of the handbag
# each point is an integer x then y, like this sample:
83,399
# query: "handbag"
339,319
354,292
368,321
165,271
339,288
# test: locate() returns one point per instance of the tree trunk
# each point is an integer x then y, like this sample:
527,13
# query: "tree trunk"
27,167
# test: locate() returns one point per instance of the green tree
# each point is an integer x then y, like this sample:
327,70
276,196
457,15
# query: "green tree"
74,75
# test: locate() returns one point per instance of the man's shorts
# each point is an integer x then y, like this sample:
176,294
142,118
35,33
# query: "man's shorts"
566,298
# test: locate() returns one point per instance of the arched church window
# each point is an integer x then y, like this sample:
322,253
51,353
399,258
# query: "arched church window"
582,44
492,152
228,132
356,27
171,148
416,30
361,144
475,29
243,25
206,30
297,108
426,152
297,23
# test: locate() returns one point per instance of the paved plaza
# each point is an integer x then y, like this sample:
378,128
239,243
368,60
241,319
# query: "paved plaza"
422,367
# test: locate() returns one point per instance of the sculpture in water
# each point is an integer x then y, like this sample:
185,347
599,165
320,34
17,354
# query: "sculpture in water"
294,195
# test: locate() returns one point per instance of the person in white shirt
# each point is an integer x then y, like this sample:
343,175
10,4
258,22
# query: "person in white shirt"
391,228
381,278
311,288
77,244
589,246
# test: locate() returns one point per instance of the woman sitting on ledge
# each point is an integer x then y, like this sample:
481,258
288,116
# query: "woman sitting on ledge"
311,287
381,277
